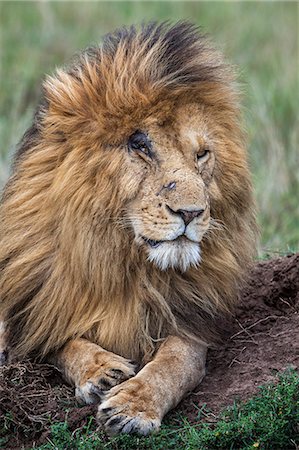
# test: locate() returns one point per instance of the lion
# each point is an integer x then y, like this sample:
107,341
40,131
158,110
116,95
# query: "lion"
128,223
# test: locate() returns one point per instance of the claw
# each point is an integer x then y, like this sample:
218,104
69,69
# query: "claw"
97,390
94,389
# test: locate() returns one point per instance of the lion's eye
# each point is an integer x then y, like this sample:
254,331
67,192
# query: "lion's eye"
139,142
202,154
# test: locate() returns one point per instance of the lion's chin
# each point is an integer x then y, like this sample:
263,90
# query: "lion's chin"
179,254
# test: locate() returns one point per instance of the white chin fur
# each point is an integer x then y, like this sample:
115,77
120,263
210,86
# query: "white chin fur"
176,255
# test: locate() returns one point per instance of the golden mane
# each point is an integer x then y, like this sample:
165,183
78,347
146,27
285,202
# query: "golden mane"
66,264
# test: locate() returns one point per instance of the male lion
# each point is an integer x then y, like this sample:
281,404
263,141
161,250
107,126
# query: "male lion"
128,223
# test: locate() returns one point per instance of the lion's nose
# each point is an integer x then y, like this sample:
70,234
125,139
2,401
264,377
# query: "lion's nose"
187,215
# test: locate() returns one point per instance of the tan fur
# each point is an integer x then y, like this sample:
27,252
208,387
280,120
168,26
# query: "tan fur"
139,404
91,369
73,262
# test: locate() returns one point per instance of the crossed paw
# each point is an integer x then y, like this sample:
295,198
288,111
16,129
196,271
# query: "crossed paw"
129,408
103,376
126,402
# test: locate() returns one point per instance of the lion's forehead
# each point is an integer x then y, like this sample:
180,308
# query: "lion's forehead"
176,139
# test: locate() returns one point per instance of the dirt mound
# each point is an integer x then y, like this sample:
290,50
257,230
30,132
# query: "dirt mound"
33,396
263,340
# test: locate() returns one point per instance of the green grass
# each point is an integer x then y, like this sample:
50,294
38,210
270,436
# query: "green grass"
268,421
261,38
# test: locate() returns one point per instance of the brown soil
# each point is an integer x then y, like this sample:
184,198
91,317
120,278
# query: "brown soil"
263,340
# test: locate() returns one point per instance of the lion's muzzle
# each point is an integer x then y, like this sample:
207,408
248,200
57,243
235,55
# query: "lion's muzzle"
186,214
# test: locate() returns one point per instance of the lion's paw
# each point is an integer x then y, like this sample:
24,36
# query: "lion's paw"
128,408
103,377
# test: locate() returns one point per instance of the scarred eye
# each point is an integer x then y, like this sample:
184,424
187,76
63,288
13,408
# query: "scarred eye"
202,154
139,142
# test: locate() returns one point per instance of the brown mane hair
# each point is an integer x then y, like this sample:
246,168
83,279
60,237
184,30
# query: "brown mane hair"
67,266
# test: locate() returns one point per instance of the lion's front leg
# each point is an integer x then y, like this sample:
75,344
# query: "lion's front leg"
92,369
139,404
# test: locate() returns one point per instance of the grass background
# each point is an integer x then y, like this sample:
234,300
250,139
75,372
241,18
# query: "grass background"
261,38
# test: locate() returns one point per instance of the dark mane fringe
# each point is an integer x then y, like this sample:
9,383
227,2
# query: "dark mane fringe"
177,49
32,135
66,270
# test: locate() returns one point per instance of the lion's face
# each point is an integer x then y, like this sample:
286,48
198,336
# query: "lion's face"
173,164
